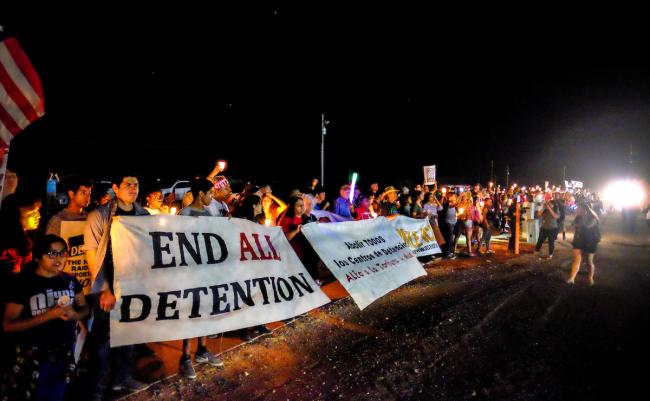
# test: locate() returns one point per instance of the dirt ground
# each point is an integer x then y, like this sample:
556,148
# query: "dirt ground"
499,328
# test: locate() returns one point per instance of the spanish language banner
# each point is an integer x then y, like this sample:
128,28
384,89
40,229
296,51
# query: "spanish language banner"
182,277
366,256
417,234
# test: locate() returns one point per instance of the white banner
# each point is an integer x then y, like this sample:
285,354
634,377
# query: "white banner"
366,256
182,277
417,234
77,265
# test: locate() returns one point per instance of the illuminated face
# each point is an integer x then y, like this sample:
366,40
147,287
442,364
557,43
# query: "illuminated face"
299,208
81,198
321,196
223,193
257,208
345,193
127,192
374,187
267,202
392,196
155,200
308,206
11,182
30,217
206,197
54,260
105,199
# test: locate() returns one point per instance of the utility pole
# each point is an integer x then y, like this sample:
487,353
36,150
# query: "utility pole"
323,131
507,176
564,175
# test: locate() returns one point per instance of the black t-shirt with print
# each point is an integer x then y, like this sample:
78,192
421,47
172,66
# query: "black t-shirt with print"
37,294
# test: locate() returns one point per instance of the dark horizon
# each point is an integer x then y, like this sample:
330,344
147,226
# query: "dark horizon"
402,88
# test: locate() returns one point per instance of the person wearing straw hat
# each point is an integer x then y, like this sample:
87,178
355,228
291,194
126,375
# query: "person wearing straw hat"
389,203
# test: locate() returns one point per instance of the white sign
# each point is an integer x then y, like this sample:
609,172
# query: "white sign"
573,184
77,265
366,256
417,234
181,277
429,175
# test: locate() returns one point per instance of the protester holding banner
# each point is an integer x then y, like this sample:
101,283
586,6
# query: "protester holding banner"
98,248
342,205
78,190
201,189
43,306
154,202
388,205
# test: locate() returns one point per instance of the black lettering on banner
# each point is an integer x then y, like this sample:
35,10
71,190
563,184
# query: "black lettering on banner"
286,297
185,244
125,309
223,251
262,285
275,291
163,304
196,299
158,250
240,294
218,299
296,283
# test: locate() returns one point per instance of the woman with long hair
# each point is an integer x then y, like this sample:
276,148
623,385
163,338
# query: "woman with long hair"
43,306
585,240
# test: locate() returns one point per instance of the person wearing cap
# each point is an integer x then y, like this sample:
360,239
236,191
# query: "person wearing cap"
218,206
389,204
342,205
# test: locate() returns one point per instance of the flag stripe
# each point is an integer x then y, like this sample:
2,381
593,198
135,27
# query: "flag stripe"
5,136
16,94
21,94
12,109
25,76
7,122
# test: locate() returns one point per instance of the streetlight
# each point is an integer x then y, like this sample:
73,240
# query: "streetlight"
323,130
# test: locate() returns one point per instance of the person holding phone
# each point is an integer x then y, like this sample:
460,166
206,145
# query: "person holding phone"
549,214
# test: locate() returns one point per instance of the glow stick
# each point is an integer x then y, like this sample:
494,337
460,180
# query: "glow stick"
354,182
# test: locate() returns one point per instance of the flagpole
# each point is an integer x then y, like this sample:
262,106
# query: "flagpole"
4,156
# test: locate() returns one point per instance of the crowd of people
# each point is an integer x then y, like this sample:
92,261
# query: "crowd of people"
42,306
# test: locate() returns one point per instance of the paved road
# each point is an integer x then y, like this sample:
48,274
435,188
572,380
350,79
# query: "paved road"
499,328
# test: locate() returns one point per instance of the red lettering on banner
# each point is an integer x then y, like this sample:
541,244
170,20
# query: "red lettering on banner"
263,256
275,253
245,246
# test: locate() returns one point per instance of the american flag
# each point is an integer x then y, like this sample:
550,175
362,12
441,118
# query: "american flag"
21,94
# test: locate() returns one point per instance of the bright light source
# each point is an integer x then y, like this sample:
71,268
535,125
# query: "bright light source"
624,193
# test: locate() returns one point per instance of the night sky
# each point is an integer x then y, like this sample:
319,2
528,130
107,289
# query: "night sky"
168,90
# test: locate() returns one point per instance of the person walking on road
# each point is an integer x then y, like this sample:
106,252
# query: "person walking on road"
585,241
549,215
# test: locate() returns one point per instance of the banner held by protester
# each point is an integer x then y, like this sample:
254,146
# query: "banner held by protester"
417,234
366,256
181,277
